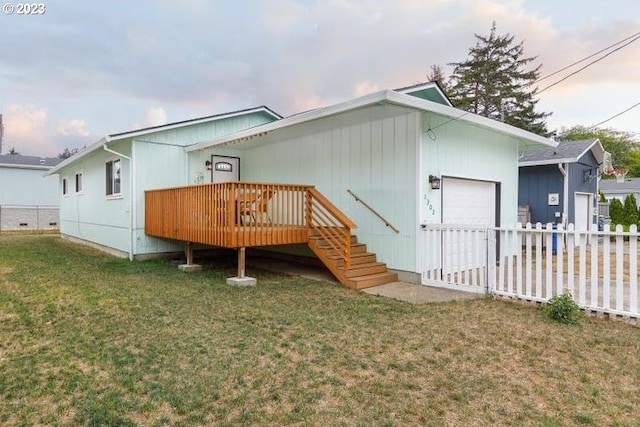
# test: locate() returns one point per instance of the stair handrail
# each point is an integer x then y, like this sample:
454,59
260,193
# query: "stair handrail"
324,217
386,222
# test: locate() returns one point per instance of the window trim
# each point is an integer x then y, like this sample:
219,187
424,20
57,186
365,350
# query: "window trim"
81,189
110,182
65,187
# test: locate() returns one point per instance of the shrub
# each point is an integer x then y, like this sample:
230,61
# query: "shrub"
630,210
563,309
616,212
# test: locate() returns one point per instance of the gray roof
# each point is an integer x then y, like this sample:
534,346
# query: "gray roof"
565,152
18,160
630,185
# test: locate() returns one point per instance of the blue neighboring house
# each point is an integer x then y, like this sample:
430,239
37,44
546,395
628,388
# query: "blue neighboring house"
560,185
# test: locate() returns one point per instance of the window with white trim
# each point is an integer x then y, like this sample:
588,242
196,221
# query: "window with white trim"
65,187
113,177
79,182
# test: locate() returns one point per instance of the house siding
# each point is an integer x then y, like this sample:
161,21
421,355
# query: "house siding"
535,184
28,187
372,152
92,215
577,183
460,150
159,160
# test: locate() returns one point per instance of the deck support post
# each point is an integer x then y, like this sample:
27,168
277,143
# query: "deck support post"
241,279
241,262
189,253
189,266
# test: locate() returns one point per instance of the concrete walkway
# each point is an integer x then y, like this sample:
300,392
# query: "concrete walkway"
417,294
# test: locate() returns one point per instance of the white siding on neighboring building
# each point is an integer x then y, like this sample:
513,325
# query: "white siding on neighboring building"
28,187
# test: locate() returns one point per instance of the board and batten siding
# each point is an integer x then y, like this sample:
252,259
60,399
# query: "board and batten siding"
536,183
157,165
454,148
577,184
371,151
92,215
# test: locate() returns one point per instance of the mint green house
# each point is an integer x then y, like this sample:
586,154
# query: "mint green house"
102,187
390,161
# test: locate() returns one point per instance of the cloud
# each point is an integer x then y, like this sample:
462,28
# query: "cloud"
73,128
155,116
25,129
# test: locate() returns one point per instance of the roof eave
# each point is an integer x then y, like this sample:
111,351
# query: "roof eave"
546,162
97,145
386,96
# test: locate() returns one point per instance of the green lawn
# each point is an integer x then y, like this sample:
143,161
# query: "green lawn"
88,339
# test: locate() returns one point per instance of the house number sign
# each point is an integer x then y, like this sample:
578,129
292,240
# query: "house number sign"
224,167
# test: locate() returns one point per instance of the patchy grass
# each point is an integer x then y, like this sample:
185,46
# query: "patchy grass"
87,339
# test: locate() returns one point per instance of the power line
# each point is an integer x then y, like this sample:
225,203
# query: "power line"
588,57
590,64
614,116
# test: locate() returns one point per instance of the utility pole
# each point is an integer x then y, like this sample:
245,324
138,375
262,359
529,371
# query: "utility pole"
1,133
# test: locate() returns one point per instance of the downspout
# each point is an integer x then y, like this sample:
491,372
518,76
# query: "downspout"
131,195
565,193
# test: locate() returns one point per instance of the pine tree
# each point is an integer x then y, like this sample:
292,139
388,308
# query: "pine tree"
493,83
437,75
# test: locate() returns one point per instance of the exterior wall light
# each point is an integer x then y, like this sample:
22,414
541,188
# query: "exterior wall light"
207,164
435,182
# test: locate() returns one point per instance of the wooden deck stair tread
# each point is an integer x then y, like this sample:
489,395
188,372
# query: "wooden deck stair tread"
364,270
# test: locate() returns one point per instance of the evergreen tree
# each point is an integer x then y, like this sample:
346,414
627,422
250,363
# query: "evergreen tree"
493,83
67,153
616,212
13,152
437,75
630,209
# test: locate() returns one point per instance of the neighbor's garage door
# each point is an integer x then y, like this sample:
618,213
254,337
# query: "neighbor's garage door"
467,202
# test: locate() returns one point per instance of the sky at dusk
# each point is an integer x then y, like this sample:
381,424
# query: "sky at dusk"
85,69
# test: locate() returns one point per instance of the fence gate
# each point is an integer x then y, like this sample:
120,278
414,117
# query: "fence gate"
458,257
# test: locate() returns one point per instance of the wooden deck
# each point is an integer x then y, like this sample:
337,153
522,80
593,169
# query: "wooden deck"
246,214
231,215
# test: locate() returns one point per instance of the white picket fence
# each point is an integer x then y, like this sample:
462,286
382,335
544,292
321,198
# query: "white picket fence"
535,263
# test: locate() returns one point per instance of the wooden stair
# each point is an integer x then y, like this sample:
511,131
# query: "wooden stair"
364,270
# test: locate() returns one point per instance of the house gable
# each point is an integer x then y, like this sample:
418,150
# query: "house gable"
431,91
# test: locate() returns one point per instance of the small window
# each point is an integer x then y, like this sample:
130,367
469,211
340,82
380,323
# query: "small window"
113,177
79,182
65,186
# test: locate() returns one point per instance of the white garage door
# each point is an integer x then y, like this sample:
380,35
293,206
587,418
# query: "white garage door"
467,202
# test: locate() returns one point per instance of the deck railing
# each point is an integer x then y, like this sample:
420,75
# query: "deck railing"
243,214
326,220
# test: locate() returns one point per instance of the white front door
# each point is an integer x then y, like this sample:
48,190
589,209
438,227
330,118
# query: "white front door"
582,213
225,168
